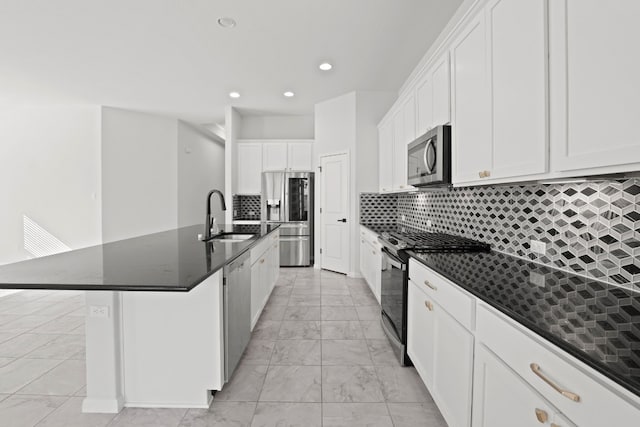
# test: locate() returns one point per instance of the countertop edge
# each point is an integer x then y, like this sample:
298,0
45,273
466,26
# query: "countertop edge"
600,368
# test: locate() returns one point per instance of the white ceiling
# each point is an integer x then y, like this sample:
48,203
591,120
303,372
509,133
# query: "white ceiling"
171,57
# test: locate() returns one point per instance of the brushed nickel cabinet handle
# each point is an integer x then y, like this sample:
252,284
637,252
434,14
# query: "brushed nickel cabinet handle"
481,174
430,285
555,425
429,305
487,174
569,395
541,415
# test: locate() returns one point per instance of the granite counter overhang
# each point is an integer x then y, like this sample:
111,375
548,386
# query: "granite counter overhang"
168,261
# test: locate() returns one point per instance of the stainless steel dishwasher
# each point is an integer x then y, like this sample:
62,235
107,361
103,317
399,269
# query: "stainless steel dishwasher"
237,311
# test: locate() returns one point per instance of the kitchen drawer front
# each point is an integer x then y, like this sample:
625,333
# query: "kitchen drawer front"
257,252
369,236
597,405
458,304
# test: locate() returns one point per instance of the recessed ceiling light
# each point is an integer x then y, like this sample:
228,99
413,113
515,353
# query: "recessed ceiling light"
226,22
234,95
325,66
288,94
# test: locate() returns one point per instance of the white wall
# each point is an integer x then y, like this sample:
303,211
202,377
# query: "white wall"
349,123
139,173
276,127
200,169
50,172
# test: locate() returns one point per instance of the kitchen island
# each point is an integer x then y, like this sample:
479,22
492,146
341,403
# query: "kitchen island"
154,321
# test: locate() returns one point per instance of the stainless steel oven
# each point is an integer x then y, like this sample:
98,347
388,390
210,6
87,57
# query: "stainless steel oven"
393,298
429,158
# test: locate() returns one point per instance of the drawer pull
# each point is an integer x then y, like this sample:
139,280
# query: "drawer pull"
262,261
430,285
569,395
429,305
541,415
555,425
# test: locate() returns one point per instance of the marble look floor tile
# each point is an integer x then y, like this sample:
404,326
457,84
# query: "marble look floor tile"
139,417
304,300
292,384
258,352
63,380
345,352
23,344
70,414
355,415
6,318
312,289
416,414
62,347
296,352
341,330
61,325
26,411
333,288
273,312
6,336
245,384
287,415
5,361
21,372
364,299
300,330
278,300
266,330
382,353
402,385
350,384
27,322
220,414
282,290
372,329
302,313
337,300
369,312
329,312
4,396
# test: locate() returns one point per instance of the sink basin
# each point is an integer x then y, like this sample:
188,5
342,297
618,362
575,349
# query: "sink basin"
232,237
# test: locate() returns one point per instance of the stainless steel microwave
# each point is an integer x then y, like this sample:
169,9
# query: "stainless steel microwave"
429,158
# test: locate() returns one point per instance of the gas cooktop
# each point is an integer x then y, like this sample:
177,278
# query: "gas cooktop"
431,242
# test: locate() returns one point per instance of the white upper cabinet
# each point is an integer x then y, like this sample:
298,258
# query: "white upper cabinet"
385,151
517,64
249,170
433,97
274,156
471,138
595,91
404,131
299,156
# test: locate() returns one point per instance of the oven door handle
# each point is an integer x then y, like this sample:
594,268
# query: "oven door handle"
391,259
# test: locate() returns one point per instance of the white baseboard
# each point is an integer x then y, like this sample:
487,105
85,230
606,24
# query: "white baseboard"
102,406
355,275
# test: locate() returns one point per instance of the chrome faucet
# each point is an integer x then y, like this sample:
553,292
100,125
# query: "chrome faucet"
208,225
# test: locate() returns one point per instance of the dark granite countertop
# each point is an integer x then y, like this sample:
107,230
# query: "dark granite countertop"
173,260
596,322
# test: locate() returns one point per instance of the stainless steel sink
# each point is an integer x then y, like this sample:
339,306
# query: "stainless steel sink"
232,237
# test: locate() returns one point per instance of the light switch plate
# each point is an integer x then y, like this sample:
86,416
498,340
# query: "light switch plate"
537,279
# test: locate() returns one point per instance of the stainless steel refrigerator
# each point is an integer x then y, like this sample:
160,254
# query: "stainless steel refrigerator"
287,199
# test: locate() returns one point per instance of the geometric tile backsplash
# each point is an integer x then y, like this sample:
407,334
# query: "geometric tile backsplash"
591,228
246,207
378,208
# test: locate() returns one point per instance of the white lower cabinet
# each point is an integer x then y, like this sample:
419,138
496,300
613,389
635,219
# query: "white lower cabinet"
371,261
265,267
506,400
442,352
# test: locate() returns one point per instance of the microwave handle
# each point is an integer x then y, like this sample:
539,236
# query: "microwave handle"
424,155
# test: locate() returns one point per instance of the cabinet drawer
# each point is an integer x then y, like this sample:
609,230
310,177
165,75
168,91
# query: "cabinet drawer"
586,401
453,300
257,252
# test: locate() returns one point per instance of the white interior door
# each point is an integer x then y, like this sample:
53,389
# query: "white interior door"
334,203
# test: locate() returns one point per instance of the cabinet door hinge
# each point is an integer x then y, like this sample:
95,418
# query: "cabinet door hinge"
320,167
320,250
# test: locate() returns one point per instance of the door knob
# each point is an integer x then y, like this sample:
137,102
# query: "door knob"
342,220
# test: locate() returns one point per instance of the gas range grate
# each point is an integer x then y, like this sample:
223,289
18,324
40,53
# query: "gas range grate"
439,242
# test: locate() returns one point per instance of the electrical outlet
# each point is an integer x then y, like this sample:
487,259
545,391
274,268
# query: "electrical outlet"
537,279
403,217
429,223
538,247
99,311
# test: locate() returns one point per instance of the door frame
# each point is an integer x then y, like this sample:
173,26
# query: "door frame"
320,216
